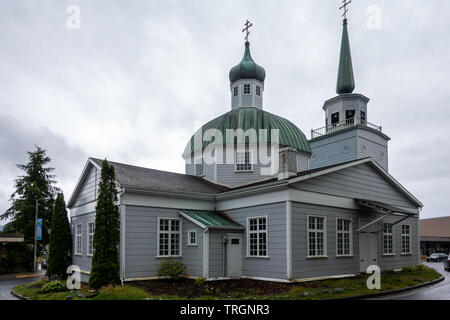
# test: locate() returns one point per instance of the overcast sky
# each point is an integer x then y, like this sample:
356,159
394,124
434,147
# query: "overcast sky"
135,80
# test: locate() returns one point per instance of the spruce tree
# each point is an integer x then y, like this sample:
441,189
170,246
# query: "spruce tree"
36,184
105,262
60,241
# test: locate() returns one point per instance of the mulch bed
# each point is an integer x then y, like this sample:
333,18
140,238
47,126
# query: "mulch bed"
187,288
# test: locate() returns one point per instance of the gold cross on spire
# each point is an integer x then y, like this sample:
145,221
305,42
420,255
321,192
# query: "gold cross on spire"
344,6
248,24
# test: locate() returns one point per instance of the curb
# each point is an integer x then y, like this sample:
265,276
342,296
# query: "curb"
389,292
18,295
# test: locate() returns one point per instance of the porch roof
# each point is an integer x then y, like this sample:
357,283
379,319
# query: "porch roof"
384,207
210,219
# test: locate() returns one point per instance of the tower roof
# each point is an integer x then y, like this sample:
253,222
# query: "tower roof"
247,68
345,81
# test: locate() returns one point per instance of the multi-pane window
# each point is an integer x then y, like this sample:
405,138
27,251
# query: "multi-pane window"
169,237
78,237
235,91
388,239
344,237
258,90
406,238
257,237
192,238
90,238
243,161
316,236
246,89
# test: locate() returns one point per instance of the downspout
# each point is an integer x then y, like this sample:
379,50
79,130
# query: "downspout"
122,235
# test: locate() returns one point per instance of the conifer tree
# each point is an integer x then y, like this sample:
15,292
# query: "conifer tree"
105,262
37,184
60,241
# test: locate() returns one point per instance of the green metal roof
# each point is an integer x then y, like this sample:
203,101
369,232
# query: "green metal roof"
250,118
345,82
247,68
211,219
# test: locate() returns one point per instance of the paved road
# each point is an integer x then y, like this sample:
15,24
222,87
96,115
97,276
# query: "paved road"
7,285
439,291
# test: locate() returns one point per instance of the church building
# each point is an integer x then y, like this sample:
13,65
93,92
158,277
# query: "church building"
259,200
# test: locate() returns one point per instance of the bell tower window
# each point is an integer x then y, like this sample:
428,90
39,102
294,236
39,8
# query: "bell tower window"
235,91
363,117
258,90
335,118
349,116
246,88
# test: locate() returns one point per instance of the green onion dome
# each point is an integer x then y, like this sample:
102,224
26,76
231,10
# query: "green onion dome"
247,69
250,118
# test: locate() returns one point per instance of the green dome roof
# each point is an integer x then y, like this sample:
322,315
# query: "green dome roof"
251,118
247,69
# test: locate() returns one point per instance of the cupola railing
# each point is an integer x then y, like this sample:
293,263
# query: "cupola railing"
344,124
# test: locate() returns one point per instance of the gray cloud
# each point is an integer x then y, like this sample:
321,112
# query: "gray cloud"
138,77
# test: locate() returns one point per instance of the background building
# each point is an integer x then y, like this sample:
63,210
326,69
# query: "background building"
434,235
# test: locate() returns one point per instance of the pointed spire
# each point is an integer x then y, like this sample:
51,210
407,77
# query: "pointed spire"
345,81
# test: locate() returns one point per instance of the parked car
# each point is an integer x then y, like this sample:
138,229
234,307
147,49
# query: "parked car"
436,257
447,264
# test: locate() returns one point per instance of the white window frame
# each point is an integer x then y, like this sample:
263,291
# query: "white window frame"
189,238
325,252
350,234
250,158
89,234
392,240
78,240
409,237
257,232
180,233
258,91
249,90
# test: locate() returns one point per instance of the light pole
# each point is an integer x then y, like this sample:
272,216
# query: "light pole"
35,235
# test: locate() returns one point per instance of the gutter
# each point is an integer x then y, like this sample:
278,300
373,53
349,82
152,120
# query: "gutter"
122,235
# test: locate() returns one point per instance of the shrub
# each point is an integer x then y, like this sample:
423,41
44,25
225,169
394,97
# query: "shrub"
171,269
417,268
54,286
200,281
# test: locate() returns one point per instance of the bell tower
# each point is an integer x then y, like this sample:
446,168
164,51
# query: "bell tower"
247,79
347,134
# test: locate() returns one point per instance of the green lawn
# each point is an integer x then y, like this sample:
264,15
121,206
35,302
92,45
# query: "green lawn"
239,289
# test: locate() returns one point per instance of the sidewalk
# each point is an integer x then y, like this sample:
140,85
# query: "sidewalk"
21,275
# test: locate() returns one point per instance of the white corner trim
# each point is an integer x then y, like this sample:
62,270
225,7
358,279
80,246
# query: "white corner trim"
206,253
289,239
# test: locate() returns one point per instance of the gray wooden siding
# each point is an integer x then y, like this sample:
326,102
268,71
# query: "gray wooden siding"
275,265
302,267
89,187
361,181
333,149
141,243
84,261
216,253
371,144
192,255
208,171
302,161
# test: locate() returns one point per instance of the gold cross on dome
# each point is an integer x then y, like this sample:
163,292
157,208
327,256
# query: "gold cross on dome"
344,6
248,24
